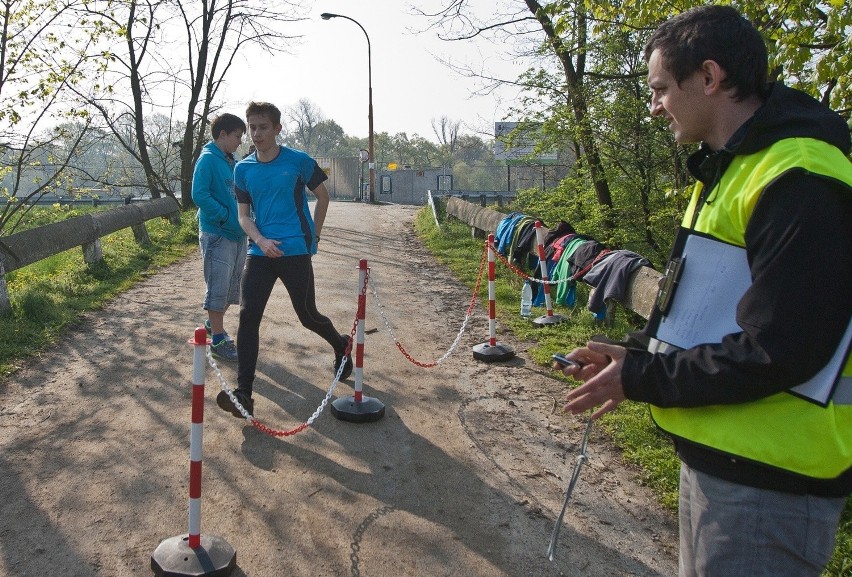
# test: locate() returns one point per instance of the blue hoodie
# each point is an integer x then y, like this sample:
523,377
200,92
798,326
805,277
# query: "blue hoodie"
213,194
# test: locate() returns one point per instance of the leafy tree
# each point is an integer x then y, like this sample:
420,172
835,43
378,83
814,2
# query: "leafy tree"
563,35
471,149
330,140
306,128
178,53
302,120
402,150
586,88
38,64
809,42
423,153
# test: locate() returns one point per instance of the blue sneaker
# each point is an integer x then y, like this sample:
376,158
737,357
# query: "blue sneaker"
225,351
210,332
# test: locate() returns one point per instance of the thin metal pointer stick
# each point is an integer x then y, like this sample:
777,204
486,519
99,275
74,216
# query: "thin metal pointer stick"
575,475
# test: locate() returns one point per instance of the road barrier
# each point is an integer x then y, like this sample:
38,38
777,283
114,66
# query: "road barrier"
23,248
643,283
194,553
492,351
549,318
358,408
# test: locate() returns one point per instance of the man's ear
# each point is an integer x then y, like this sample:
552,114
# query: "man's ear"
712,76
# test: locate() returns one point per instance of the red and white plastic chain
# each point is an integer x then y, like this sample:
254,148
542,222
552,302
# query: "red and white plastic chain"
523,274
242,409
427,365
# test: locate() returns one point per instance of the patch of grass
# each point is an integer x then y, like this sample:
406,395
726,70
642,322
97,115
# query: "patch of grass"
629,426
52,293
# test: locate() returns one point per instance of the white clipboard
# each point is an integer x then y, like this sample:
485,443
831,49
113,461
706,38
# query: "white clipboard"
714,277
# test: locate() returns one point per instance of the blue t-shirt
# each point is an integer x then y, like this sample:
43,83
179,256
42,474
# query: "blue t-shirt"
276,192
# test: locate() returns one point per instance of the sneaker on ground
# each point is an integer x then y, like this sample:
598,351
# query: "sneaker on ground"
338,359
225,403
210,331
225,351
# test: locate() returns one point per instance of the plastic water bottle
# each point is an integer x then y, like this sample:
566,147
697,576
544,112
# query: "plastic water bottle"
526,299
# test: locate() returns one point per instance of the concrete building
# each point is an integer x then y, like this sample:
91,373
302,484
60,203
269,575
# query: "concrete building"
401,186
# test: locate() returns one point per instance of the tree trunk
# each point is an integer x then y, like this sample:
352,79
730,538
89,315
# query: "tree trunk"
574,84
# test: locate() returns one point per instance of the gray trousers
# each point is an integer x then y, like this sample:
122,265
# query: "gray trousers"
730,530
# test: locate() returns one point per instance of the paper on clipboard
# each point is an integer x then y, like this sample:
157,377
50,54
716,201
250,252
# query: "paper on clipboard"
715,276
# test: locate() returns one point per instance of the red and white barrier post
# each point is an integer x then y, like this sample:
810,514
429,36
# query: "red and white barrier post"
194,553
358,408
492,351
549,318
196,438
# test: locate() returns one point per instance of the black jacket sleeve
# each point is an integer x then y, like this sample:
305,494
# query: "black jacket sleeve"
799,248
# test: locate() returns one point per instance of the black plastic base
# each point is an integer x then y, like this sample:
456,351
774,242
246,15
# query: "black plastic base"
548,320
367,411
488,354
175,558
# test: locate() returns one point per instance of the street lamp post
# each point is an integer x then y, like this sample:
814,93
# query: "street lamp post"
363,156
372,158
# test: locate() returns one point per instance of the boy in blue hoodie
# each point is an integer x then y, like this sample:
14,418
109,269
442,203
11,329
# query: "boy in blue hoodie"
223,242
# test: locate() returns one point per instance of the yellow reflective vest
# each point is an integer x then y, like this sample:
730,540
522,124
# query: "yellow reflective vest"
784,430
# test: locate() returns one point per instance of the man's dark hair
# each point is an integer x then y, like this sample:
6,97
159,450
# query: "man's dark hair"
266,109
717,33
226,123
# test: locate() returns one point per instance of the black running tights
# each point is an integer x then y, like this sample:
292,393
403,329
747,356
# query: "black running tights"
259,276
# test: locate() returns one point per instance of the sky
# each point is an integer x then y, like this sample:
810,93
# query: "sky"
410,86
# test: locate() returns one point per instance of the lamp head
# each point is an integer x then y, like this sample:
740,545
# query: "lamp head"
327,15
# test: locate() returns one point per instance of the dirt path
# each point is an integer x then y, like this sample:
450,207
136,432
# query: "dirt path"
463,476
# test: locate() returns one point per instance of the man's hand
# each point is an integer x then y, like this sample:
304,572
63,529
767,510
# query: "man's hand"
601,373
269,247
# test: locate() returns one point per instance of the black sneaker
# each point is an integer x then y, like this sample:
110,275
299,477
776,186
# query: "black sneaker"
225,403
338,359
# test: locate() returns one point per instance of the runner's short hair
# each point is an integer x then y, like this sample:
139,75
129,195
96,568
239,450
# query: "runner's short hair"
266,109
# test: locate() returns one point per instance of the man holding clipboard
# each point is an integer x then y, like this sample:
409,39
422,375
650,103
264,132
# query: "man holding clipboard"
749,365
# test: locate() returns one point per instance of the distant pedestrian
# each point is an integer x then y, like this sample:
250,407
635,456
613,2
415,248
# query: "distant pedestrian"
222,240
274,213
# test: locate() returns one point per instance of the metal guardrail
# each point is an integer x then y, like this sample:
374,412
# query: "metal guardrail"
482,197
89,201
